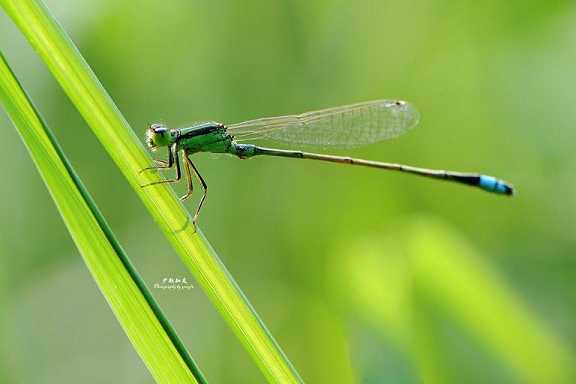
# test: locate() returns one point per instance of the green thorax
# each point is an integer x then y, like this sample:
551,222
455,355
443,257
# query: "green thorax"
204,137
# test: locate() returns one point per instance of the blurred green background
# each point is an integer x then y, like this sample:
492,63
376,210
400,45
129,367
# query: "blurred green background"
362,276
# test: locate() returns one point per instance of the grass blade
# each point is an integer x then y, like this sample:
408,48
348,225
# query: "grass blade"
115,134
401,285
141,318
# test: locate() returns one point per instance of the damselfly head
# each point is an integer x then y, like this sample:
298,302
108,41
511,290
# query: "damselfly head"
158,135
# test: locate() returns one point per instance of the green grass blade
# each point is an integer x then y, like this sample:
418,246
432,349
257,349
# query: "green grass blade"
455,275
401,284
150,333
106,121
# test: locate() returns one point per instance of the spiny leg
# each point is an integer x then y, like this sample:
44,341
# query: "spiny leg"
204,186
188,179
178,172
163,164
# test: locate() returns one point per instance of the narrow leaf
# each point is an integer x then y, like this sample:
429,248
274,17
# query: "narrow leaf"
140,317
91,99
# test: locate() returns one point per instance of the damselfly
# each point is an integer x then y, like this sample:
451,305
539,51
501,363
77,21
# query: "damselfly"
349,125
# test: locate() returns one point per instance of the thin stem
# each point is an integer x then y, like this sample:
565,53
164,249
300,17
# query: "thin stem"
136,310
95,105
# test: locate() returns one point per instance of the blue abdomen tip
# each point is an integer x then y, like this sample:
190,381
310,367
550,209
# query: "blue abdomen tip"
491,184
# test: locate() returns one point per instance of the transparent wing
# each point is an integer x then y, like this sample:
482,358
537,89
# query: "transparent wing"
354,124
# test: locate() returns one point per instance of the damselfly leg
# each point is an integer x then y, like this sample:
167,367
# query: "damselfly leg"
173,159
188,178
202,182
162,164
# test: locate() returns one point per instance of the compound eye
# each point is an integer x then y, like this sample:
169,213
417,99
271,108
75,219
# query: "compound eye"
158,128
